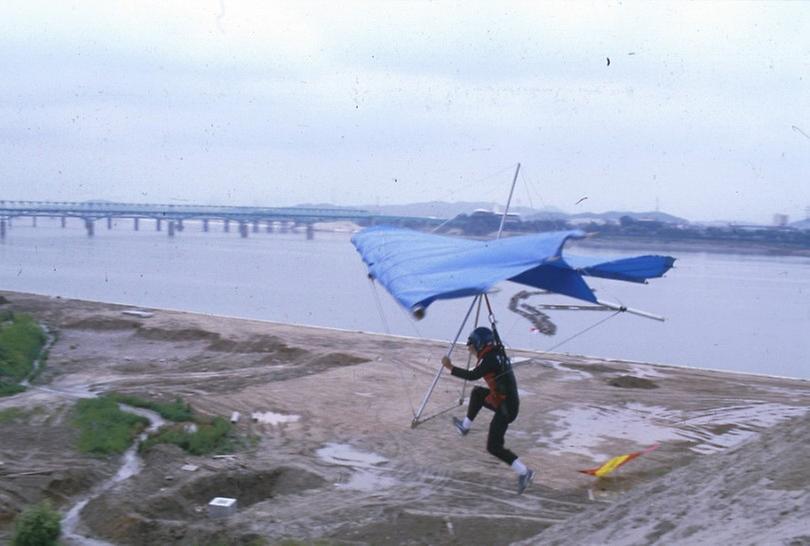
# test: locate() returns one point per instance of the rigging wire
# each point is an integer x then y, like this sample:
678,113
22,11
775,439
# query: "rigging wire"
526,187
437,228
417,419
469,356
388,331
589,328
466,186
478,181
530,188
581,332
379,305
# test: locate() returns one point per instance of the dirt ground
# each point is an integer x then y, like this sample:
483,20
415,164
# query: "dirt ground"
330,455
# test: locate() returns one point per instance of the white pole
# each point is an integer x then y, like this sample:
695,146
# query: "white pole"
617,307
441,367
508,201
469,355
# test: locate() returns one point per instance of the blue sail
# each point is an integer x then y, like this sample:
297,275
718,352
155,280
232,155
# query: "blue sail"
419,268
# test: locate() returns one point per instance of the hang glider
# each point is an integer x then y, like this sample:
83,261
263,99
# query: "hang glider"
419,268
616,462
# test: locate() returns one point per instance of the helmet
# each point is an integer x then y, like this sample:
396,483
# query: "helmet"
480,338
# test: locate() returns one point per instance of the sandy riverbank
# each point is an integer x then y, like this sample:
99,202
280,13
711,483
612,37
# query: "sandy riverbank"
335,458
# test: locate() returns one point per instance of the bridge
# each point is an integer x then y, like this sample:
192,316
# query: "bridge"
282,218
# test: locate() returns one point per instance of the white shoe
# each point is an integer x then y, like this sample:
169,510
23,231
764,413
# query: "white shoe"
459,424
524,480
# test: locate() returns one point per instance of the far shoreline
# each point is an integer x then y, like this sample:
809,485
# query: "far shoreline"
595,240
702,247
399,337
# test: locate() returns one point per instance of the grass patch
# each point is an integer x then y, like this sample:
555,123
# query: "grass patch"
104,428
177,411
209,437
21,340
7,389
10,414
107,429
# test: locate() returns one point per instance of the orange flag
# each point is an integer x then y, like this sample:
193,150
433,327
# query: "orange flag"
616,462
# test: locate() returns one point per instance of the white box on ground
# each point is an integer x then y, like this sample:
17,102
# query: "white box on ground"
221,507
235,417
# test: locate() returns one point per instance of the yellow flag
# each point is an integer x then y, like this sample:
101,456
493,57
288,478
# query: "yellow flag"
616,462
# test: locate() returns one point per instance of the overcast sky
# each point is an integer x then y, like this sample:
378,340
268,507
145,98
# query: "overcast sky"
703,110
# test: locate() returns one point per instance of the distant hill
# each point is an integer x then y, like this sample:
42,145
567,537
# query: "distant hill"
616,215
326,206
801,224
441,209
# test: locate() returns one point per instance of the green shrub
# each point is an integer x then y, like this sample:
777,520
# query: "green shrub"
38,525
173,411
213,437
21,340
8,389
104,428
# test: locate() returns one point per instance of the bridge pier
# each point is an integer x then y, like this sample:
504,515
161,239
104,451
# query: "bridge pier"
243,230
275,219
310,232
2,228
171,228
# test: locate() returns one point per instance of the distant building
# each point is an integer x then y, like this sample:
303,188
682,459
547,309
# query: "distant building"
590,220
780,220
512,218
481,212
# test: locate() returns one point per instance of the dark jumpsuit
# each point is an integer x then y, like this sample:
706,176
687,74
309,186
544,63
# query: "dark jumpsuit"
501,397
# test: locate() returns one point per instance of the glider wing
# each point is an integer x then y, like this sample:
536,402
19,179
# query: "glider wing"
419,268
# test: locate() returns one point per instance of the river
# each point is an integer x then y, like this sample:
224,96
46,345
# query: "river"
729,312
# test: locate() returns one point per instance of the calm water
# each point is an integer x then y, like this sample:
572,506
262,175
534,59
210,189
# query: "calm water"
743,313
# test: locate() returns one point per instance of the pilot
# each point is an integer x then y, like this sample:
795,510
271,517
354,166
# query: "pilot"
500,396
